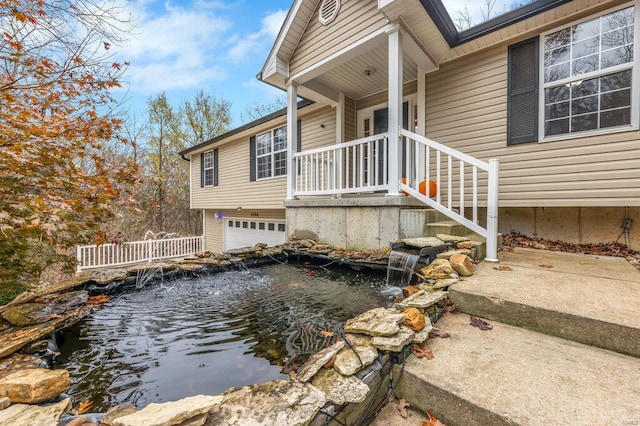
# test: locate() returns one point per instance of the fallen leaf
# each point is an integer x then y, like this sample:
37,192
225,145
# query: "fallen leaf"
450,307
481,324
402,407
84,407
311,273
422,351
433,421
502,268
326,333
545,266
436,332
330,363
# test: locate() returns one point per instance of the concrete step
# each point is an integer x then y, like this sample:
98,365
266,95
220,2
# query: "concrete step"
449,227
509,375
588,299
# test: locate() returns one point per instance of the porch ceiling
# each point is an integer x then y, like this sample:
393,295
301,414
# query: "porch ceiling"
350,79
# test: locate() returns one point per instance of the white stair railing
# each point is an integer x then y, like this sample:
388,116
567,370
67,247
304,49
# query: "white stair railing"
353,167
108,255
465,178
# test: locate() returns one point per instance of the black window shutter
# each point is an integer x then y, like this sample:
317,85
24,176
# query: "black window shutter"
252,158
523,95
215,167
202,170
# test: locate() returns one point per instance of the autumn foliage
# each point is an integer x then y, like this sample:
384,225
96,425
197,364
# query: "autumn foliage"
56,78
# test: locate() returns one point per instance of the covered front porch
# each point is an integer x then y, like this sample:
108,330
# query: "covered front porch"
380,159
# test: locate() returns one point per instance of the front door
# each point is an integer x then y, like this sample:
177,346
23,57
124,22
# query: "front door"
381,125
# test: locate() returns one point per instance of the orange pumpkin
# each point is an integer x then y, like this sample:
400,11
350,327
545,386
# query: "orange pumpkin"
422,188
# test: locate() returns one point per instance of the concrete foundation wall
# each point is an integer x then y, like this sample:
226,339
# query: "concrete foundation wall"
352,223
582,225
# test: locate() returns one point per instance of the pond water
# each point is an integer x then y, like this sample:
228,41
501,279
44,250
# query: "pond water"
203,335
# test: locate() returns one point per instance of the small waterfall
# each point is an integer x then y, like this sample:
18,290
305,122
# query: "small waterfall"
400,268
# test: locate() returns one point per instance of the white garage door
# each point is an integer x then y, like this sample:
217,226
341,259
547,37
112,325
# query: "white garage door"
248,232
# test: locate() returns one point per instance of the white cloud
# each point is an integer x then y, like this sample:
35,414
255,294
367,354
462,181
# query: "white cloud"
174,49
246,45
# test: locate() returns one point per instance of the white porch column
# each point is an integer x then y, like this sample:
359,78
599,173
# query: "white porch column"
421,127
292,133
395,110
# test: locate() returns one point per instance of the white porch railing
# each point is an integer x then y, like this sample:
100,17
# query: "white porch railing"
459,179
107,255
352,167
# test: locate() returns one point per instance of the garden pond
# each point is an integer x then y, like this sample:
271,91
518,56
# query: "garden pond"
203,335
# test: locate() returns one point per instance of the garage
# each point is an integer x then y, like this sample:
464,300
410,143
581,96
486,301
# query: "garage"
243,232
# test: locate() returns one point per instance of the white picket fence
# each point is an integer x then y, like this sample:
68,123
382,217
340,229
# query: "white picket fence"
108,255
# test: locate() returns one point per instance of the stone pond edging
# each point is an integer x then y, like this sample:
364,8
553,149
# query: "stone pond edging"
340,381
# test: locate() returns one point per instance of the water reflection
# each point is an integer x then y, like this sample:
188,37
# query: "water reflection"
204,335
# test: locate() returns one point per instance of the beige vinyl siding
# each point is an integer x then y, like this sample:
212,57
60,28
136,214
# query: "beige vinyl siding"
212,232
467,110
350,123
234,187
355,19
313,134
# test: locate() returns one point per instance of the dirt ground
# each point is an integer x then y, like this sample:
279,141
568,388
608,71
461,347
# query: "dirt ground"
391,416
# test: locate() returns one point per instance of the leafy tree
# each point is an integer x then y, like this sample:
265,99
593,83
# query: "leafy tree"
260,110
56,76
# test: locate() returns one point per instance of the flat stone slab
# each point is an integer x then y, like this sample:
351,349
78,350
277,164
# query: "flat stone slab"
35,385
375,322
394,343
171,413
340,389
355,356
423,299
588,299
24,414
278,402
422,242
317,361
509,375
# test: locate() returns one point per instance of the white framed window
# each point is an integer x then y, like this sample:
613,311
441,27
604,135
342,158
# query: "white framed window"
207,168
588,75
271,153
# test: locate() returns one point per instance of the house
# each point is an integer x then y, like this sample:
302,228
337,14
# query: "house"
527,123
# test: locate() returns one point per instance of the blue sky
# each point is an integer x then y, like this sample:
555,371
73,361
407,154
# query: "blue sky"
182,46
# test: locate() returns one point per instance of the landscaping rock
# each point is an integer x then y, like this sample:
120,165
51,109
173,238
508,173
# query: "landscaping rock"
24,414
422,242
340,389
116,412
409,290
414,319
422,335
278,402
4,402
439,268
317,361
447,254
347,362
439,284
105,276
185,410
423,299
31,314
462,264
394,343
467,245
451,238
375,322
34,385
69,299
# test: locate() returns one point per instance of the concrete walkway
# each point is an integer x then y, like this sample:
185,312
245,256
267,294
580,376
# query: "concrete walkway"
564,348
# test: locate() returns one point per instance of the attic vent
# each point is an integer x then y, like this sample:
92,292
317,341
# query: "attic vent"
328,11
